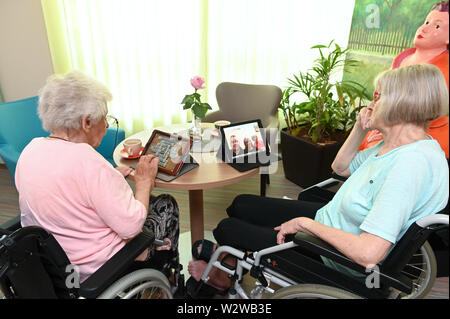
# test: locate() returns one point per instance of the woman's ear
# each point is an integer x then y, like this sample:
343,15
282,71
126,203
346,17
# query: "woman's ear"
86,123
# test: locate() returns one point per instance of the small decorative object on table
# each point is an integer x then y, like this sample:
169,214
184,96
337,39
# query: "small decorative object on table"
199,109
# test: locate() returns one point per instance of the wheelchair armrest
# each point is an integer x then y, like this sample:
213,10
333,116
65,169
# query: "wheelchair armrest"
107,274
322,248
338,177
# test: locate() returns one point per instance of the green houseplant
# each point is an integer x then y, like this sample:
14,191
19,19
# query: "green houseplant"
323,117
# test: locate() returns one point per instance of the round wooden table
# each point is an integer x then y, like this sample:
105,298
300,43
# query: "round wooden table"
211,172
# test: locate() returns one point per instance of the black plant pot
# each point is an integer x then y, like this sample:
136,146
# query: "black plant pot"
306,163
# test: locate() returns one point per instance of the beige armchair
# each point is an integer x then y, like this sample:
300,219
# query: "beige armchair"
240,102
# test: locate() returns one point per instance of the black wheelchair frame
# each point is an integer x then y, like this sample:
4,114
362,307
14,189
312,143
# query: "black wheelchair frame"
33,265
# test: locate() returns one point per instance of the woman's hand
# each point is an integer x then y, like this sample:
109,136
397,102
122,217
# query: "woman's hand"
292,227
348,151
144,178
146,169
125,171
364,116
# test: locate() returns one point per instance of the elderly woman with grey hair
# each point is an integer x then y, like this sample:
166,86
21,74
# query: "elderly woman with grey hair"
391,185
71,191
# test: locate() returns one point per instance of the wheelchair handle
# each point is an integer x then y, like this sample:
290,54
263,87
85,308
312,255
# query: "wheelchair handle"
432,219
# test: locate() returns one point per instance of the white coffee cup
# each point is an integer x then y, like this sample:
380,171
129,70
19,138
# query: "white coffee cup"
132,146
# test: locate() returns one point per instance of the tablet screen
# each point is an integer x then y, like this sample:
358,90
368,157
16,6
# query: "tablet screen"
244,139
172,151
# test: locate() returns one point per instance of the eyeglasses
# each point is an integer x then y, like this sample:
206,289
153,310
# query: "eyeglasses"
111,120
376,96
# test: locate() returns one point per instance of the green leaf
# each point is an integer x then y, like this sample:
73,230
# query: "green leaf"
338,48
207,106
188,99
296,131
199,111
314,136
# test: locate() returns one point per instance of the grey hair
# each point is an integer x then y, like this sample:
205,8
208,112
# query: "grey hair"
65,99
412,94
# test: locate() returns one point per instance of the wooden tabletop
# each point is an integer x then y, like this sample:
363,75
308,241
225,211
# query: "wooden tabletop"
212,172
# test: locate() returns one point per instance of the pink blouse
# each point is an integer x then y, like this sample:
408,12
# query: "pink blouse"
75,194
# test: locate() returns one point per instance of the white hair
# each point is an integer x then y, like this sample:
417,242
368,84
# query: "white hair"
412,94
65,99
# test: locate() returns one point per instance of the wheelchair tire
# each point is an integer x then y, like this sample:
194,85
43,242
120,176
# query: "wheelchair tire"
143,284
312,291
424,262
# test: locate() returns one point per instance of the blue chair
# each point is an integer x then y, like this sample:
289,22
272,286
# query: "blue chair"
20,123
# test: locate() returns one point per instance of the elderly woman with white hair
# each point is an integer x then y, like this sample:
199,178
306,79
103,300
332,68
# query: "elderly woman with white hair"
66,187
391,185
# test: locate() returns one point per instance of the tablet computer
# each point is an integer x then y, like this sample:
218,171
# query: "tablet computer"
245,145
171,149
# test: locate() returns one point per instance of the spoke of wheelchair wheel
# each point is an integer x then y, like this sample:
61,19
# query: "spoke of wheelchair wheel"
413,275
415,284
416,264
416,268
154,289
134,291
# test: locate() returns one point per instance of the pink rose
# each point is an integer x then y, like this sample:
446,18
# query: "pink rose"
197,82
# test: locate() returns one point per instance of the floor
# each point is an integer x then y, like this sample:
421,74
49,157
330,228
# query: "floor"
215,203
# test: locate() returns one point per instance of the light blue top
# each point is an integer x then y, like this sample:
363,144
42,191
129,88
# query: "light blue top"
386,194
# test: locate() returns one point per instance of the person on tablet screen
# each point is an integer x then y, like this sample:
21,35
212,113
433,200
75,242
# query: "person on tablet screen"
235,145
66,187
248,146
258,142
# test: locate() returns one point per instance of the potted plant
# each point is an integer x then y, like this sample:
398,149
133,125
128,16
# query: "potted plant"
319,123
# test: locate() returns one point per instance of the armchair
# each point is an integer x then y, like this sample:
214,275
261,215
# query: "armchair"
20,123
241,102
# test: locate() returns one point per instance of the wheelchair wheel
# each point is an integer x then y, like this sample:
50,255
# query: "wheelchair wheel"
140,284
422,269
311,291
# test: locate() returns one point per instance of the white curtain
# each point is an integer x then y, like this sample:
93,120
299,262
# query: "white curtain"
266,41
146,51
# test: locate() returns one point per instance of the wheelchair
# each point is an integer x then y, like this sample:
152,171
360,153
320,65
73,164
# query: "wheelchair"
33,265
287,272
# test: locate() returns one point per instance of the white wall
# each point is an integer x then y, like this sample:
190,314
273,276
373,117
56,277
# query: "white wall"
25,61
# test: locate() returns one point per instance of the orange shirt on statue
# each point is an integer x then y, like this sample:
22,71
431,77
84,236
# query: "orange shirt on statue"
439,128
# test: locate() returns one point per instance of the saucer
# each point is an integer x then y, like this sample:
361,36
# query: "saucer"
125,155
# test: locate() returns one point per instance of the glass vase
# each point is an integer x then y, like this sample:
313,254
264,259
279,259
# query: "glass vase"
196,127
